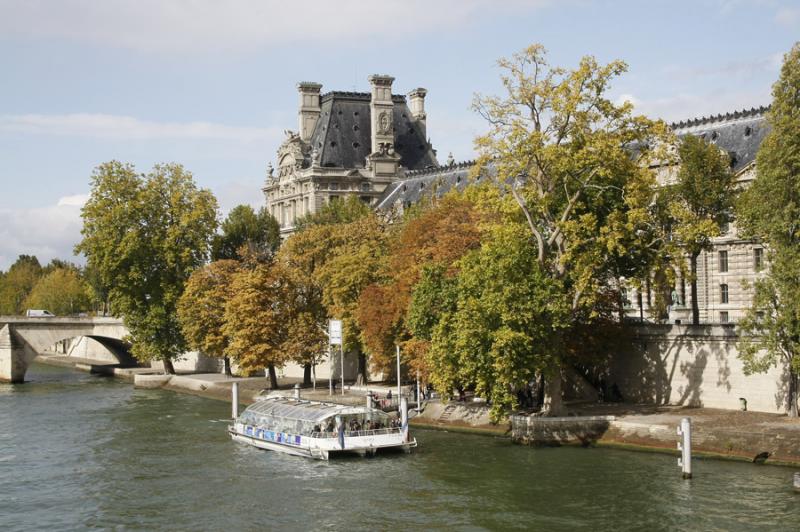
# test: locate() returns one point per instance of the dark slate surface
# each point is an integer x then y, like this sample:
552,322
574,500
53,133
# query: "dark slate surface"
438,180
739,133
343,136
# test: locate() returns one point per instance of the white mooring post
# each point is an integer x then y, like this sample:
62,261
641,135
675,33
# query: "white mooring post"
235,400
685,447
797,481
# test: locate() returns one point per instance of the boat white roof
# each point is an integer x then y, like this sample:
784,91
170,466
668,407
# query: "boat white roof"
291,408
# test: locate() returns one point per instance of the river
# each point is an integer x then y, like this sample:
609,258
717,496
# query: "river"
79,451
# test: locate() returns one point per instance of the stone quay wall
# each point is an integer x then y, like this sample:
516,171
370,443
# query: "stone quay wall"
698,366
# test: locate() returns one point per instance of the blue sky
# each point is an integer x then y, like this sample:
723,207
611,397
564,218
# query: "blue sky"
211,84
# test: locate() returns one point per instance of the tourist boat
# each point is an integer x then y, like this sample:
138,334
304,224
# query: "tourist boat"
320,430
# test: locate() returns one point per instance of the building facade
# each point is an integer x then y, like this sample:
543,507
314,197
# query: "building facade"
348,144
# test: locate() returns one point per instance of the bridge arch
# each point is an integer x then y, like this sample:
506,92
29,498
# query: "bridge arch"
23,339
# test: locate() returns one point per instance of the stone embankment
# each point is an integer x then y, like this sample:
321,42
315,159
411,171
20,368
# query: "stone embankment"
716,433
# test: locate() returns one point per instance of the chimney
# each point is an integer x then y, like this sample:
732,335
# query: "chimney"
381,107
416,100
309,107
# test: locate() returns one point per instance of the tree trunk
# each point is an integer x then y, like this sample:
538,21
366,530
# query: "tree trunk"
553,400
792,406
226,366
307,374
273,377
169,369
361,379
695,304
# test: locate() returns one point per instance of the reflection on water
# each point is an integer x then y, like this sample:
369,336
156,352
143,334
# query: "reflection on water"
80,451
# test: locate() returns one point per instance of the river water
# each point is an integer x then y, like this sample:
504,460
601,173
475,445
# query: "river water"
79,451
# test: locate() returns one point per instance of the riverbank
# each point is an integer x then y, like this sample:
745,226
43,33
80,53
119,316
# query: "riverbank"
733,435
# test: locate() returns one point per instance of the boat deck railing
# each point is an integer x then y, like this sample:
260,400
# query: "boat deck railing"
356,433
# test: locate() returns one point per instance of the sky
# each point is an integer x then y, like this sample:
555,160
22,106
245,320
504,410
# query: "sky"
212,84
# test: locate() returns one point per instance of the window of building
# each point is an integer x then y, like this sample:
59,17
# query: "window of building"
305,205
723,317
759,315
365,187
334,186
723,261
365,199
331,199
758,259
723,293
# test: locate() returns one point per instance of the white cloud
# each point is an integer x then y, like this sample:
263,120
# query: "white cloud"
213,25
78,200
47,232
130,128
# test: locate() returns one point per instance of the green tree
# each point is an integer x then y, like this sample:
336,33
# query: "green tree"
342,211
565,153
770,210
338,260
201,308
256,318
703,197
17,283
62,292
258,232
497,336
145,234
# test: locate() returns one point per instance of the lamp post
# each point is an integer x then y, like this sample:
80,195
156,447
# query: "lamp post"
398,372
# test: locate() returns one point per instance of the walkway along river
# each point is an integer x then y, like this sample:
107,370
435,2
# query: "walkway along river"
82,451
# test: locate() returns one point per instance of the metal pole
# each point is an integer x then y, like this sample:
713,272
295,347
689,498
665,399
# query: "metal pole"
398,372
330,370
418,394
341,359
685,447
235,400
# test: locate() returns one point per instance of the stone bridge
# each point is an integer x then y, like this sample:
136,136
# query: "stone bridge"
23,339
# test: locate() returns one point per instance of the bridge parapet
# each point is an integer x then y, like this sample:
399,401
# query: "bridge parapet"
23,338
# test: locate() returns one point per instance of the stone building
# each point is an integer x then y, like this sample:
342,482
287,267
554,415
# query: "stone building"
348,144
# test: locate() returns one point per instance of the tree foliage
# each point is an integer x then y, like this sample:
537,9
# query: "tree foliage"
62,292
770,210
201,307
502,326
577,167
145,234
342,211
258,233
702,200
16,284
438,236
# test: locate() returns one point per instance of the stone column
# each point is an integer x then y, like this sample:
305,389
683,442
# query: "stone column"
416,101
309,108
381,109
13,362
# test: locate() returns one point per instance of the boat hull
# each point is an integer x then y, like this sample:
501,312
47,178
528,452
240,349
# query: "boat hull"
323,448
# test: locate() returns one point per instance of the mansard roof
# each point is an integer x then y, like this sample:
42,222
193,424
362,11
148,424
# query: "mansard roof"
739,133
436,180
343,133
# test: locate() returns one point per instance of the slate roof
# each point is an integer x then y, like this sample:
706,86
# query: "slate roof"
344,139
739,133
433,180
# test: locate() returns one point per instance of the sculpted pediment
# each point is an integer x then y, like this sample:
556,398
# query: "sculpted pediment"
291,155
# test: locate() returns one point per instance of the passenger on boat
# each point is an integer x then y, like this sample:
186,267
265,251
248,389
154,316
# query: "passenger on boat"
330,426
